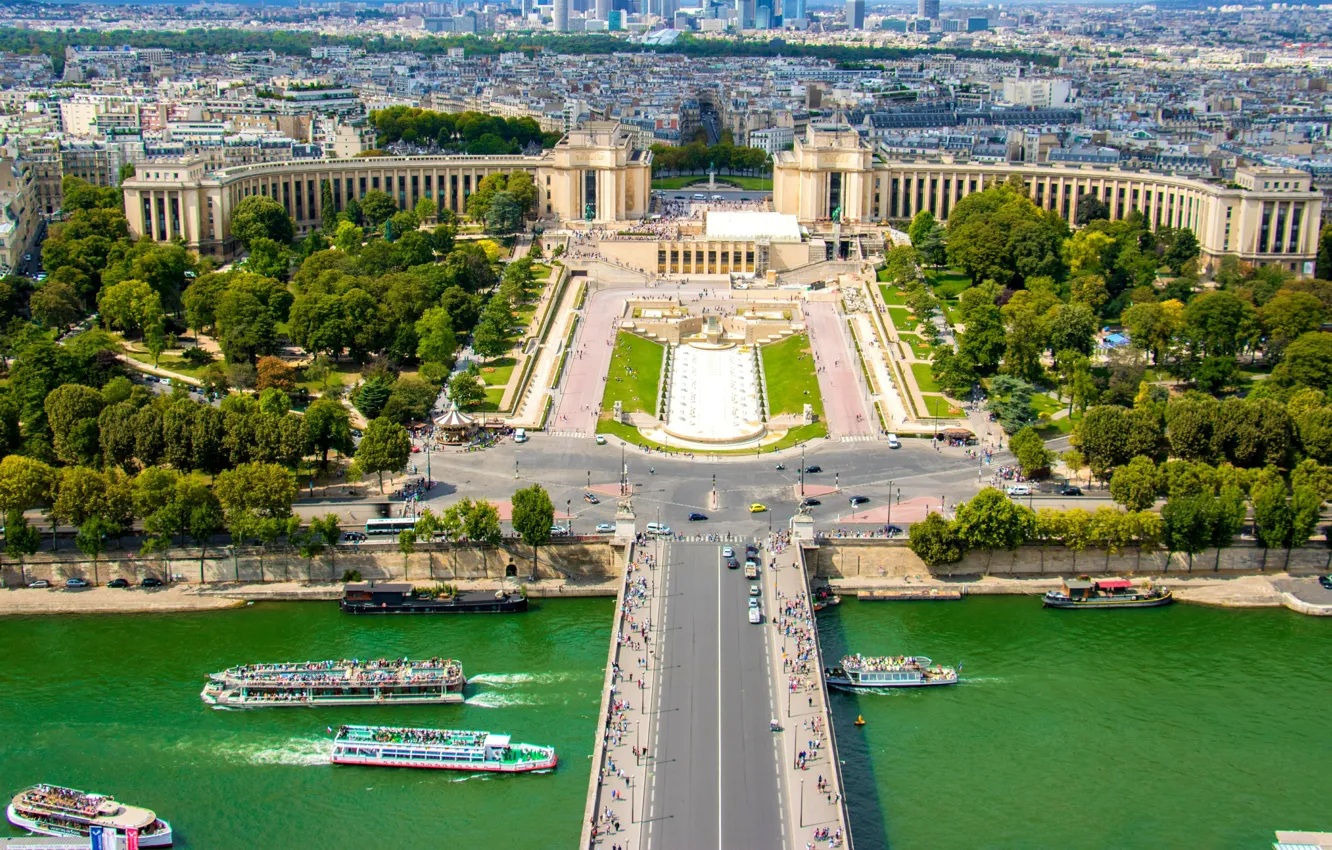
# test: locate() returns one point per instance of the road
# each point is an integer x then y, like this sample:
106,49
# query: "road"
715,782
843,397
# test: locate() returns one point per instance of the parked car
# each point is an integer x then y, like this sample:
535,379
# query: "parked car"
697,517
858,500
605,528
753,603
755,616
118,582
1325,581
811,470
76,582
757,508
755,590
810,502
353,536
558,530
1069,490
41,582
151,581
1019,490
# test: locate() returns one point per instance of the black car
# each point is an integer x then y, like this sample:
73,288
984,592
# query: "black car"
751,549
858,500
117,582
697,517
150,581
892,530
1325,581
1069,490
732,564
810,470
810,502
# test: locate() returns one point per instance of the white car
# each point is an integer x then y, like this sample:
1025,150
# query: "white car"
755,616
753,603
754,590
1019,490
728,552
605,528
700,197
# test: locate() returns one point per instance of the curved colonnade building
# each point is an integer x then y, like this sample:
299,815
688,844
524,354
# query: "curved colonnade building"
595,175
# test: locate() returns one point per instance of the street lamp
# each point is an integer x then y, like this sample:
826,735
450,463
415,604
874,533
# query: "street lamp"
515,469
589,479
568,514
890,502
802,470
802,802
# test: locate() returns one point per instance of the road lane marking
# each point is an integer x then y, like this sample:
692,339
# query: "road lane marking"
719,700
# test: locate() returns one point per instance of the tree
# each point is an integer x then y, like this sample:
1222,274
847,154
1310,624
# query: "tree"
1288,316
91,539
466,391
274,373
990,520
327,427
1101,436
1090,208
436,341
245,326
481,522
1072,328
1030,451
378,207
274,402
1189,426
1216,323
372,396
1272,519
1010,401
1134,485
55,304
1323,265
1183,249
1308,362
385,447
72,411
21,539
1189,523
921,226
259,216
130,305
503,215
348,238
934,541
490,339
425,210
323,531
533,514
410,400
264,490
328,214
1152,326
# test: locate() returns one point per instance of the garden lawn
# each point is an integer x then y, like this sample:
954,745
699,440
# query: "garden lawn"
1045,403
937,405
919,347
788,367
753,184
338,377
794,437
169,362
634,378
924,378
947,283
497,372
892,295
903,319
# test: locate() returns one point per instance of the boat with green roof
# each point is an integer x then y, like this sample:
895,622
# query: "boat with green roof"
442,749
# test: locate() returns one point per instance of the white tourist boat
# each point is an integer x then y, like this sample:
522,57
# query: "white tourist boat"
66,812
442,749
381,681
892,671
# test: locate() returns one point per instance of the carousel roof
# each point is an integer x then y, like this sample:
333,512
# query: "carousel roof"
453,418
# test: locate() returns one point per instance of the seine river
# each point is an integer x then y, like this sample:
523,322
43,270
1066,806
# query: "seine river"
111,704
1173,727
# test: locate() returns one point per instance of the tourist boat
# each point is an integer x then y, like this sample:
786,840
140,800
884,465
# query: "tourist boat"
65,812
402,598
443,749
900,671
823,597
382,681
1106,593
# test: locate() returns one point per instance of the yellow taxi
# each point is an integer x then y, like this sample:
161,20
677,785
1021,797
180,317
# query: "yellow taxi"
756,508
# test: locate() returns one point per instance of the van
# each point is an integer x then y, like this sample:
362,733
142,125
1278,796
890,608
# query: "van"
520,435
893,442
1019,490
700,197
658,528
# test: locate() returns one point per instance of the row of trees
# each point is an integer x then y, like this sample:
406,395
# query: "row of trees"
467,132
1189,523
697,157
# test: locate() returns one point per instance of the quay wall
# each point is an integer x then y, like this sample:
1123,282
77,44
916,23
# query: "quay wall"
570,560
878,558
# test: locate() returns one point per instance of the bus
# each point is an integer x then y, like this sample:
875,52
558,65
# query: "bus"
389,526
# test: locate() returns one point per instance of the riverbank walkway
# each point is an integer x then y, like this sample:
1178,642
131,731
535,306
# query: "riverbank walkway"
686,755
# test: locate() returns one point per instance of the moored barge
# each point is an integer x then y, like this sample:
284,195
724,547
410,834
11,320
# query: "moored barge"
1106,593
403,598
382,681
65,812
441,749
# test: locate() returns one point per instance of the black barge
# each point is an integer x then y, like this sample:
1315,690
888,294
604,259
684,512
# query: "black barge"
401,598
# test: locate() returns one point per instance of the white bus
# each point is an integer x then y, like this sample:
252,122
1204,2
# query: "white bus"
389,526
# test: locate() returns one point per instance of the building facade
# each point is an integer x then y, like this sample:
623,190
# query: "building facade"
1267,216
594,174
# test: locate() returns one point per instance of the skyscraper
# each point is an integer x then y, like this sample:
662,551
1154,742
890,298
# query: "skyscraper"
855,13
526,8
744,14
603,8
792,10
561,15
927,9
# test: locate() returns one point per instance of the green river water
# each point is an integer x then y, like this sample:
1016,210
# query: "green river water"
1179,727
111,704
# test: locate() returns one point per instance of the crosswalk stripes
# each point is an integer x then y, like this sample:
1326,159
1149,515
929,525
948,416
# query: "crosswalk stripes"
581,435
859,438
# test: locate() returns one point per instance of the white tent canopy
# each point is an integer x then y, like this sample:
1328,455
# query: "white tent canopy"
725,226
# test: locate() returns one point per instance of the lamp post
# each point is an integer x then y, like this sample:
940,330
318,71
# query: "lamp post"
568,514
802,470
890,502
802,802
589,479
515,469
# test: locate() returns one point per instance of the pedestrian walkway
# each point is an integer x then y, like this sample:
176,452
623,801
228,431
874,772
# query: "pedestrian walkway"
816,811
612,818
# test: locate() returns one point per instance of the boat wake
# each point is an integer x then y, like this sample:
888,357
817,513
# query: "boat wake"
981,680
482,776
501,678
491,699
301,752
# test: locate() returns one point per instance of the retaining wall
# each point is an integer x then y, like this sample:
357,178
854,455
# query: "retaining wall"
845,558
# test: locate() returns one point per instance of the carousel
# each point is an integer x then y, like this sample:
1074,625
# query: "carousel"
453,427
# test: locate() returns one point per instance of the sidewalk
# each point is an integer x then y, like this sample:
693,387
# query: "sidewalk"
529,410
620,761
812,783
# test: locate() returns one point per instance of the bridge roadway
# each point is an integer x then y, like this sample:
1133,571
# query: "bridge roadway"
686,756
